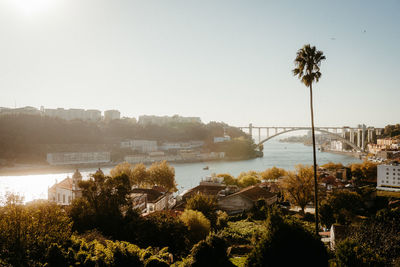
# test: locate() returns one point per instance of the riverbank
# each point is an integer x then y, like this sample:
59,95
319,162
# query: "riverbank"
34,185
34,169
345,153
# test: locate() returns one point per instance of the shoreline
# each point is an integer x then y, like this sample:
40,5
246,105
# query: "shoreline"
345,153
350,154
37,169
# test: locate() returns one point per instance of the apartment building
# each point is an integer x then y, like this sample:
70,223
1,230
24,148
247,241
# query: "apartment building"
388,177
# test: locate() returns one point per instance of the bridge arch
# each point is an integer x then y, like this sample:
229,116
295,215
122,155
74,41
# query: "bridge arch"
355,147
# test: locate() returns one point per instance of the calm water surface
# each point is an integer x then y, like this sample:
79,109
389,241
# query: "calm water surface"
282,155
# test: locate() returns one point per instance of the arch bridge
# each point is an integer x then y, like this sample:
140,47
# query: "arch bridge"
355,137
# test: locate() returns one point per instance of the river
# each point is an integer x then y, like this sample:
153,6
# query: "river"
187,175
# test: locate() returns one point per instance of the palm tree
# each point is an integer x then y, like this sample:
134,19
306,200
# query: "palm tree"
307,68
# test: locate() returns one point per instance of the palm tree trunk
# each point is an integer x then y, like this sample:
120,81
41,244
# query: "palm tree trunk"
315,163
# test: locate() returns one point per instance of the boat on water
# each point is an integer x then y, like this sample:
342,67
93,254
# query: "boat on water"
206,168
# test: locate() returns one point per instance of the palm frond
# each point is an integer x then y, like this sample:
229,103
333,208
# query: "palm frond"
307,64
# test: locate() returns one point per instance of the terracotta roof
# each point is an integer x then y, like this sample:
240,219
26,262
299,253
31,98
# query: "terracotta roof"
270,186
65,184
152,194
254,193
208,190
159,189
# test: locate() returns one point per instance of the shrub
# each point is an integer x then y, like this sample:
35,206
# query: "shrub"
197,224
210,252
206,205
222,219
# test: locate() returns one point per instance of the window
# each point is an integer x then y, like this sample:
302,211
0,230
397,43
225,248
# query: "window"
69,199
58,197
63,198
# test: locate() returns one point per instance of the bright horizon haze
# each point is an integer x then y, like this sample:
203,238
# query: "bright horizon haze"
224,60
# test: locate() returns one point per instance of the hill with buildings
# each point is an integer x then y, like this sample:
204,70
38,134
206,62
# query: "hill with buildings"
31,137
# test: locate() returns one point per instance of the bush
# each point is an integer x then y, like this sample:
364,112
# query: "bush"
210,252
222,219
206,205
197,224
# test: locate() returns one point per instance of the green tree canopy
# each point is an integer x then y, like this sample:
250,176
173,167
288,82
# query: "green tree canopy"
287,243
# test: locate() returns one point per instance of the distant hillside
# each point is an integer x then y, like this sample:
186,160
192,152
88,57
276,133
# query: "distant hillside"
27,138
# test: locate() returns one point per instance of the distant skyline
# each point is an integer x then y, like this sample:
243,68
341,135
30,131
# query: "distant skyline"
223,60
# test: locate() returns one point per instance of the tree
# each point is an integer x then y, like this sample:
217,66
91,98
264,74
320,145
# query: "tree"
140,175
228,179
249,178
287,243
104,204
122,168
350,253
197,224
298,186
28,231
273,173
307,68
341,207
162,174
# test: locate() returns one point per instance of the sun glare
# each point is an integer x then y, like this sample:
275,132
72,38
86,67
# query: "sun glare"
32,7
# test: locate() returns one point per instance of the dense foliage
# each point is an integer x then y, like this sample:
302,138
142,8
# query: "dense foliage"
381,234
340,207
27,231
287,243
206,205
391,130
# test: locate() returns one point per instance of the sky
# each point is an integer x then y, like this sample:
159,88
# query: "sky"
220,60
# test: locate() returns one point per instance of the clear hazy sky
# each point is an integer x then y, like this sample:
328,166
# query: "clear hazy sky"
220,60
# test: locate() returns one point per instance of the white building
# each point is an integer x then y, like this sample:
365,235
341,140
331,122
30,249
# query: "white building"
78,158
18,111
181,145
93,115
113,114
222,139
388,177
73,114
65,191
143,146
160,120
